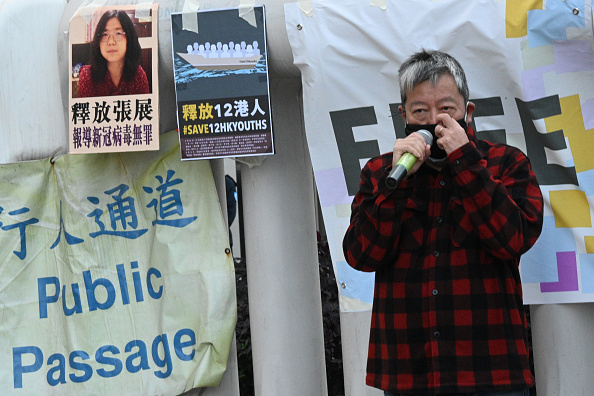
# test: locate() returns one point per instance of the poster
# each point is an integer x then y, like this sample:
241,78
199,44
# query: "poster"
530,70
117,276
221,83
113,90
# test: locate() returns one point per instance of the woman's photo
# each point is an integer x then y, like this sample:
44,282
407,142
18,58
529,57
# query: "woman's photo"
115,55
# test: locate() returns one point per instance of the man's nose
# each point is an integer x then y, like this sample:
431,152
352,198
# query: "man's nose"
433,116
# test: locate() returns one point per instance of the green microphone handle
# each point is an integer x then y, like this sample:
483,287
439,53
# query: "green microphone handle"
405,163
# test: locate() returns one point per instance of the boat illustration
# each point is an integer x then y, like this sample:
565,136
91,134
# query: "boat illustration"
202,63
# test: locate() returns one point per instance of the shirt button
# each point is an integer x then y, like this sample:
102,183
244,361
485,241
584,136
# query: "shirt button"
439,220
435,292
442,183
436,334
435,253
457,162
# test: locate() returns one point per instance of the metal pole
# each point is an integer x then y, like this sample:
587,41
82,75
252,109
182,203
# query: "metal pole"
230,383
281,259
31,112
563,349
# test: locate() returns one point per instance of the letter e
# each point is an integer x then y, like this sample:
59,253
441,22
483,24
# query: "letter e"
178,345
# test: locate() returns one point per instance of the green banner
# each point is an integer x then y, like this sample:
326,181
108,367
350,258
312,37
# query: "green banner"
116,275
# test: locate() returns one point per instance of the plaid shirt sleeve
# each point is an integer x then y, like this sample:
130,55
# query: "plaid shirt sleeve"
445,246
374,227
502,198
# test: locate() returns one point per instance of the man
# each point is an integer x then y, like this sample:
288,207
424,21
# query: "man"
445,246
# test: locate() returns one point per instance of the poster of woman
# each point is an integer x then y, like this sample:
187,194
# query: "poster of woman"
113,58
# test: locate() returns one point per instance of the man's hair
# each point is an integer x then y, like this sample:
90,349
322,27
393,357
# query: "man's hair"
133,50
430,65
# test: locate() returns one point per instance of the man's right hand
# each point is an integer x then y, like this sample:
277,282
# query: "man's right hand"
414,144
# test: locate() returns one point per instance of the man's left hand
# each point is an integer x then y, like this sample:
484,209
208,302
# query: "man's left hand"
450,135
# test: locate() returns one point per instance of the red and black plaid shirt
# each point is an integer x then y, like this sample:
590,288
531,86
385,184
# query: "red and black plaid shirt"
445,247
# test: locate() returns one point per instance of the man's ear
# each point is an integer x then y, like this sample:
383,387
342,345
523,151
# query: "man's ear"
469,110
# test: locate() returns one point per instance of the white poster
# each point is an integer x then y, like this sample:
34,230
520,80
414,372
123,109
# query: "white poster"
113,110
530,69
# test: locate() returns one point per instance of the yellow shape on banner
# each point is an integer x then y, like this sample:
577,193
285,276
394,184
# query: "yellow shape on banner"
516,16
571,208
571,121
589,241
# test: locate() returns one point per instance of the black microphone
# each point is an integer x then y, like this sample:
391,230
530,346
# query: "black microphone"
405,163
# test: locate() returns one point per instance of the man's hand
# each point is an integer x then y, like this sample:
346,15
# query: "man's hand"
414,144
450,135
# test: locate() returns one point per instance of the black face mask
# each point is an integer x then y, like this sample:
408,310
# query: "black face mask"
436,152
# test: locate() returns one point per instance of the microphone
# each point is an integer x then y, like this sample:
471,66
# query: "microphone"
405,163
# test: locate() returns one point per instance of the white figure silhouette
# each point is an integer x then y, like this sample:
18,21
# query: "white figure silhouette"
225,52
213,51
189,48
237,53
256,49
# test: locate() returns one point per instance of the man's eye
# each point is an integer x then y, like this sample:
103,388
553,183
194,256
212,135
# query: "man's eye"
449,109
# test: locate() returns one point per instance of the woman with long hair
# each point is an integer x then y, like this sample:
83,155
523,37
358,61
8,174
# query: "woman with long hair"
115,59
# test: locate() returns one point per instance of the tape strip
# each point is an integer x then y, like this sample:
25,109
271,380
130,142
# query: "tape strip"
306,7
190,16
379,3
96,3
246,11
87,8
143,10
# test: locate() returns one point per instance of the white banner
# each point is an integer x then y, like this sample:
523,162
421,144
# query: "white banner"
530,69
117,277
